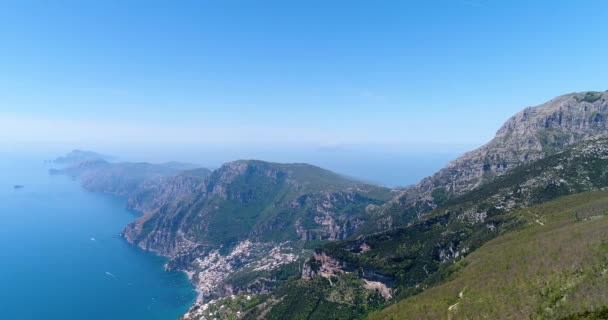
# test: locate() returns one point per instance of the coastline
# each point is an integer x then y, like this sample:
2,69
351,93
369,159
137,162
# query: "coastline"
123,201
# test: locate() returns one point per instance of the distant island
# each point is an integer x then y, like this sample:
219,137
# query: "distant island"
77,156
18,186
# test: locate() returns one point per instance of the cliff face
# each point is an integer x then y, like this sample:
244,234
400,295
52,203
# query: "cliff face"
248,200
530,135
154,193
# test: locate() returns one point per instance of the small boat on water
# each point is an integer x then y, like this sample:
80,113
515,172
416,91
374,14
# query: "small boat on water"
18,186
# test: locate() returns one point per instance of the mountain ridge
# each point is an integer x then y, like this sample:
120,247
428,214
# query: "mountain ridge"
244,183
529,135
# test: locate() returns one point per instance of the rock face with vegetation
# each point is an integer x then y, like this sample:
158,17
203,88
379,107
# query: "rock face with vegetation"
152,194
405,261
530,135
553,267
239,228
258,201
264,240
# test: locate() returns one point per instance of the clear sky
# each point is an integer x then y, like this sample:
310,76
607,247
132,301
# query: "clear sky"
395,74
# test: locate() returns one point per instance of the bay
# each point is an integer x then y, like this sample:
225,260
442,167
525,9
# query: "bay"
61,255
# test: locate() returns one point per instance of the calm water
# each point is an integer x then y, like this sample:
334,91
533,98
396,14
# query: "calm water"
61,256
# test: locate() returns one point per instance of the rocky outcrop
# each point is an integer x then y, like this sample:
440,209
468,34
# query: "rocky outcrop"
530,135
379,287
326,212
583,167
322,265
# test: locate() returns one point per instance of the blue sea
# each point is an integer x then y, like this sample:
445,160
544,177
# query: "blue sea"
61,255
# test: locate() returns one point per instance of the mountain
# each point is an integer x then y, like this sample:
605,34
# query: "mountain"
259,201
403,262
293,241
75,156
247,217
530,135
152,194
120,178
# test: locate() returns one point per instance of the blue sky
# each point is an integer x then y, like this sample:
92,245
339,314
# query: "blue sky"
374,74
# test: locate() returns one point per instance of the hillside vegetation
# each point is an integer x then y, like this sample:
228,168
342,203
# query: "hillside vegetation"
554,268
409,259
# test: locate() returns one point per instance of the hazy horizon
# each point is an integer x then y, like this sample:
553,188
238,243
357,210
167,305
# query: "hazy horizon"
392,168
376,97
392,75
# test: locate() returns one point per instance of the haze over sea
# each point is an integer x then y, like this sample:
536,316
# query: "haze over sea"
62,256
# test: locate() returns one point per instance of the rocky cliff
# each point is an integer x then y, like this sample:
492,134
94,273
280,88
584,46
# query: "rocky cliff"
530,135
152,194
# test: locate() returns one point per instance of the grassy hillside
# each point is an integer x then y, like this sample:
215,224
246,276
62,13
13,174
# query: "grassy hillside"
556,267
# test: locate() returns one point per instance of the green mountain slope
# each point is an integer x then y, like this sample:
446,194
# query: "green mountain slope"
258,201
553,268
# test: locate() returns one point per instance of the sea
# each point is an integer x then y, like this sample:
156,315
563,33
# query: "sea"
62,256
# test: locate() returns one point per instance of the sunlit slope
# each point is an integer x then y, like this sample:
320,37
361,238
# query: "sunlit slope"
554,268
